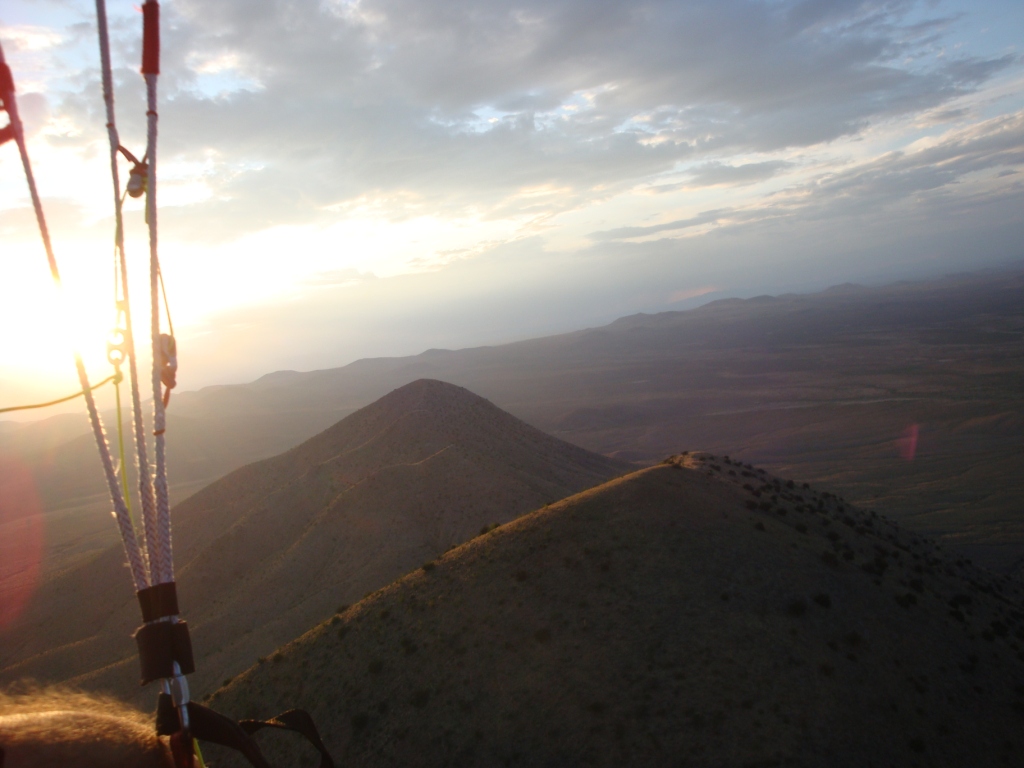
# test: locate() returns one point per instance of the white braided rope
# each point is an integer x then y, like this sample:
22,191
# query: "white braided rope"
165,558
144,477
124,521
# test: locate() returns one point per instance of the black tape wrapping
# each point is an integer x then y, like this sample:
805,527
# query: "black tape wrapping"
160,645
158,601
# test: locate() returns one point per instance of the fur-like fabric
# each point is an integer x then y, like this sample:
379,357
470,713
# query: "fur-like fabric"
62,729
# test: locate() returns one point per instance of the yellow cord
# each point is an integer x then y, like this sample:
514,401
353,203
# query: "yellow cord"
107,380
199,754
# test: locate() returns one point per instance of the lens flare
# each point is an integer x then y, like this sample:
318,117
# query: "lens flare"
908,443
21,539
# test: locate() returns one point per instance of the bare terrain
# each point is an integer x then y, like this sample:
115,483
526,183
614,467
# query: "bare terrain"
825,387
699,612
274,547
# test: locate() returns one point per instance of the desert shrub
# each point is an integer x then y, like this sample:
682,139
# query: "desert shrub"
823,600
751,504
420,698
359,722
827,670
429,566
375,667
796,608
277,657
829,558
801,528
759,525
542,635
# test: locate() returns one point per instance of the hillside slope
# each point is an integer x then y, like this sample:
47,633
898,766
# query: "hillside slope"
273,548
668,617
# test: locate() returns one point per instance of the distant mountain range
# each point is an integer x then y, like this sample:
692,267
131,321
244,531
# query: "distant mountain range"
274,547
699,612
821,386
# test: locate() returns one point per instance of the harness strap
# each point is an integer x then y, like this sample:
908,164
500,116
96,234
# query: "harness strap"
214,727
297,720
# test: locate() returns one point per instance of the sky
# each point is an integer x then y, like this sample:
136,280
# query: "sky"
360,178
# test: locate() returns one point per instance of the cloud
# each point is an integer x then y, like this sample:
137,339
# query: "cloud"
715,173
464,104
627,233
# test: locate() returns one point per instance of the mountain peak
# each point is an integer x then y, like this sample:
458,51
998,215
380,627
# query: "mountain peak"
274,547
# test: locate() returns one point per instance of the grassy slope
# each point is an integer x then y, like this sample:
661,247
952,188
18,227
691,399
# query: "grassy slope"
658,619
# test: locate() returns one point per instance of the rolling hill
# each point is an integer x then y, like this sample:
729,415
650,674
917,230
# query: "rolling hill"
699,612
276,546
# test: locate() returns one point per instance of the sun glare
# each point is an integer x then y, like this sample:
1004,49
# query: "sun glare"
48,325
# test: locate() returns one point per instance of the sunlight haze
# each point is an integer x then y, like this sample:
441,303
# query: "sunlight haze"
378,177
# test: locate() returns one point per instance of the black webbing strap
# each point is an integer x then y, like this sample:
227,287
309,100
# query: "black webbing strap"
297,720
214,727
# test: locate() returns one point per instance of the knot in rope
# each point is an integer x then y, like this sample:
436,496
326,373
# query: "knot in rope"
167,360
138,178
